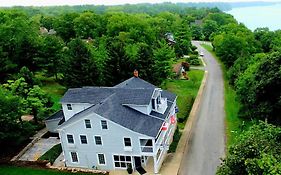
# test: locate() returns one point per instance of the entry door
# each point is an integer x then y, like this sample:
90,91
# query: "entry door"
137,162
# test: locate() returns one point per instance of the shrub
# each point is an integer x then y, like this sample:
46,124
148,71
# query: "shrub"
193,60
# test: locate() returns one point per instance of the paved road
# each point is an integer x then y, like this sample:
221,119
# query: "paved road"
207,144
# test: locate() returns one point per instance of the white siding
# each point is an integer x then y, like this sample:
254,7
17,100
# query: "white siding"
143,109
52,125
76,107
112,142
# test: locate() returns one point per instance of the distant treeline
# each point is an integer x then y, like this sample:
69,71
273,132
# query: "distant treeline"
152,9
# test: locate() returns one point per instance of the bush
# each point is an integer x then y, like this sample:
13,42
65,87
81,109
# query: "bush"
193,60
193,48
52,154
195,52
256,151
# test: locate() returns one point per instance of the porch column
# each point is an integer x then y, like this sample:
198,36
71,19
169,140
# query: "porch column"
155,164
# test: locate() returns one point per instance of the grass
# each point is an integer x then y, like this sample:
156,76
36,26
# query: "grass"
186,91
13,170
52,154
232,105
53,88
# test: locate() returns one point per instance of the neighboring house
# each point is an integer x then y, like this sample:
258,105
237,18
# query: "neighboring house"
116,127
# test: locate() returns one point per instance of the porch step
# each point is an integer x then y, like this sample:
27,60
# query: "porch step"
141,170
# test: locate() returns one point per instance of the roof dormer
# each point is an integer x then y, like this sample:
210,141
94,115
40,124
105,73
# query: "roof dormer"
158,103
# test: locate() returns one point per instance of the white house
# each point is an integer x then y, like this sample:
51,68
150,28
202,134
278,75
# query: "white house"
116,127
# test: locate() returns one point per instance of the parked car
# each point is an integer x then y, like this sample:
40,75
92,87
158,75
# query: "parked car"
201,54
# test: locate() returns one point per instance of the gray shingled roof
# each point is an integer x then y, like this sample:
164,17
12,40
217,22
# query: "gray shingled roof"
56,116
134,83
108,102
94,95
129,118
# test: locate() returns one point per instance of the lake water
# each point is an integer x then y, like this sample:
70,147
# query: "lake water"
260,16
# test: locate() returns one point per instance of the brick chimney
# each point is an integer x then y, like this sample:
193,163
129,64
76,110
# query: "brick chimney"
136,73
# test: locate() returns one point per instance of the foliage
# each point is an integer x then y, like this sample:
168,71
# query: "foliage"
256,151
52,154
163,65
186,91
13,130
79,67
19,42
34,99
193,60
51,55
259,89
64,25
209,27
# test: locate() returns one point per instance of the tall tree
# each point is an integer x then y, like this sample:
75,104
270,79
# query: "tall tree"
79,66
51,54
64,26
12,128
259,89
163,56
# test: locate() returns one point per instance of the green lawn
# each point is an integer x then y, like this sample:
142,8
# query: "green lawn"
52,154
53,88
13,170
186,91
232,105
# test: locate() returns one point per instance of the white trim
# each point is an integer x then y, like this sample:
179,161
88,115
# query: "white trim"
67,139
153,145
125,104
74,103
98,160
76,155
85,123
81,140
100,139
102,118
122,168
130,141
69,106
106,125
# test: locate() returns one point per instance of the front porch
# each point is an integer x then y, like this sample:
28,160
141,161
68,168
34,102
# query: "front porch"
153,154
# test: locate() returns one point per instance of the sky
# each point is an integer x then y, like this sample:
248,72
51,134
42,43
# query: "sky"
8,3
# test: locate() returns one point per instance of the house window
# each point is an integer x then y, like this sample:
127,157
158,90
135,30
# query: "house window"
83,139
88,123
74,156
104,124
69,107
158,99
70,138
122,161
101,159
153,103
127,142
98,140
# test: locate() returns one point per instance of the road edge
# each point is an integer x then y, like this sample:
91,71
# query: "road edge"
187,132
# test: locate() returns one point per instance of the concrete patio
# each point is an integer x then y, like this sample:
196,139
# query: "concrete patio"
39,148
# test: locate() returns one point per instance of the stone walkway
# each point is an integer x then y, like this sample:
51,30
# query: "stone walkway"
39,148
